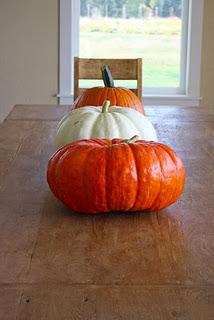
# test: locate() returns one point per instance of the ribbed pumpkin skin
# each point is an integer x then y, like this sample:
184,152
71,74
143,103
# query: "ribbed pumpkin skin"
94,176
92,123
118,97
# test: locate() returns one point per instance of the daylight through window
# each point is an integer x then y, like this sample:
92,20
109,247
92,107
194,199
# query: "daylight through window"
151,29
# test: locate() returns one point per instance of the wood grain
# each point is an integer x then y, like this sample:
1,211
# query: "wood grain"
10,298
110,303
56,264
122,69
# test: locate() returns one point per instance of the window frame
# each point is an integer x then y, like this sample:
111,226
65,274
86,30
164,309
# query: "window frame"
188,94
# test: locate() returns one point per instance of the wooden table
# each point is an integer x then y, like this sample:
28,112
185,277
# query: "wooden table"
56,264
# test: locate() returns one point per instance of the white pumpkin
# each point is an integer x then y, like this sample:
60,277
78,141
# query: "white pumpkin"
103,122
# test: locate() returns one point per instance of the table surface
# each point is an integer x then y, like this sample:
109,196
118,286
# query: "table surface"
55,264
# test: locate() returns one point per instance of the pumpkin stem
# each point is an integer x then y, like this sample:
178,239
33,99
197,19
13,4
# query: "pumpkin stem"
132,140
107,77
106,105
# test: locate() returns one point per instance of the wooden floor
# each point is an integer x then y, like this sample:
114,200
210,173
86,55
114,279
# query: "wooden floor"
55,264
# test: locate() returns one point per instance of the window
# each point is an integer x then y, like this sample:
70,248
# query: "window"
151,30
165,33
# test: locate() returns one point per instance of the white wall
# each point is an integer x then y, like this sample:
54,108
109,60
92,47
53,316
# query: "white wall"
28,53
207,71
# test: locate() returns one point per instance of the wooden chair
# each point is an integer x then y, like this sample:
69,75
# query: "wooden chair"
121,69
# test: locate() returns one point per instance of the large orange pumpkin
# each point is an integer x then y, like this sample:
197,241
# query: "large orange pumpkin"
115,175
118,96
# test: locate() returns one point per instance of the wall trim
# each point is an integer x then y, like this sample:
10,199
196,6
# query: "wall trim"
173,100
68,42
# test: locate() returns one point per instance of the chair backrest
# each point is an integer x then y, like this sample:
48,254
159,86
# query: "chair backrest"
121,69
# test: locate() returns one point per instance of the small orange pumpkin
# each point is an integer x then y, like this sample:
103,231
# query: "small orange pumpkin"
117,96
116,175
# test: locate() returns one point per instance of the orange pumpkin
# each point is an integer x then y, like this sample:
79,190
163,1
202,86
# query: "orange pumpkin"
103,175
96,96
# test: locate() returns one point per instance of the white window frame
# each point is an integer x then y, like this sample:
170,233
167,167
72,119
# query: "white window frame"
186,95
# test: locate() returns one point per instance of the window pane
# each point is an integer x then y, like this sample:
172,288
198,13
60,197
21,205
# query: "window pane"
150,29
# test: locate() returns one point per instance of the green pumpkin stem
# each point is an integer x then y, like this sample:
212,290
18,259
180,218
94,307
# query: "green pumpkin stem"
133,139
106,105
107,77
